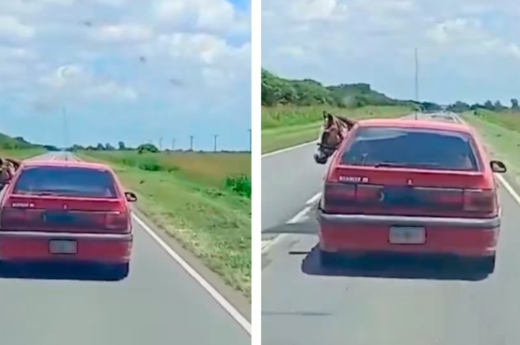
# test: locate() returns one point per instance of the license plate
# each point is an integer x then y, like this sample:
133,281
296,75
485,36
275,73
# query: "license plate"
63,247
407,235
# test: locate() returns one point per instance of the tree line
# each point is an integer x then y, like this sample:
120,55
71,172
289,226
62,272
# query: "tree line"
460,107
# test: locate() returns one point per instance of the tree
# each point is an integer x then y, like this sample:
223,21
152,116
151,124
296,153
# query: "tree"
459,107
498,106
100,147
147,148
122,146
514,104
109,147
489,106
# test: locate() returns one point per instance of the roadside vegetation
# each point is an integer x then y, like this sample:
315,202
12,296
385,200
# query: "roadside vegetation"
18,148
500,130
292,109
201,199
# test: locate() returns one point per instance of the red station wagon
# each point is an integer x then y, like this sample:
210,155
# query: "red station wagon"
408,186
65,211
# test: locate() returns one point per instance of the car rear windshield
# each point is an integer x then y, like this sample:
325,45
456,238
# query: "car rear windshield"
411,148
66,181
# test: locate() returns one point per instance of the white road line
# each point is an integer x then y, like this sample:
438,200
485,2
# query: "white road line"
228,307
235,314
509,188
289,149
308,207
296,219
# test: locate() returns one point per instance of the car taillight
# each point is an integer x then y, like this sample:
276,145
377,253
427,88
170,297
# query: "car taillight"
479,200
117,221
342,194
12,215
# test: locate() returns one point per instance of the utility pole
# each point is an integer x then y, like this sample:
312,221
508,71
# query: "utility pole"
160,144
65,139
215,142
173,144
191,142
416,80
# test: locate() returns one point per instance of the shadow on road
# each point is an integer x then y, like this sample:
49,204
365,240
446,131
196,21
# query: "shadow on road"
55,272
393,266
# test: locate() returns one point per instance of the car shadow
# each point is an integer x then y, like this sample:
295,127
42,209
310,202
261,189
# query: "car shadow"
393,267
45,271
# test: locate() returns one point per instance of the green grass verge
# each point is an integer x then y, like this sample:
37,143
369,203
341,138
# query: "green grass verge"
286,126
198,199
502,143
22,153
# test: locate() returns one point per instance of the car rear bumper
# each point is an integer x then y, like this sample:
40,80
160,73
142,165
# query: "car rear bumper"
361,234
32,246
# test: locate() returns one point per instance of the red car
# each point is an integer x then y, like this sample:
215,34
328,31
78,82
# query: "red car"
65,211
409,186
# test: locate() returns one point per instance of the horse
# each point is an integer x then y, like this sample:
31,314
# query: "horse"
334,131
8,168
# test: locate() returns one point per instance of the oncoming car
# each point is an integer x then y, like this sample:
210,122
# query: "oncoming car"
67,212
405,186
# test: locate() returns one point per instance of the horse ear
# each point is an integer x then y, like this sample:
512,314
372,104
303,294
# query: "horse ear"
330,119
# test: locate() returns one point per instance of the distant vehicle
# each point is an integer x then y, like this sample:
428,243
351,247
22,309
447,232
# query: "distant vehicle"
67,212
405,186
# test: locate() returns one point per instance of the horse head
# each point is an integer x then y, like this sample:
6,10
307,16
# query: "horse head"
334,130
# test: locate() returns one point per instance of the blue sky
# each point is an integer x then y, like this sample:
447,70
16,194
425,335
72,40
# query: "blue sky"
84,56
468,49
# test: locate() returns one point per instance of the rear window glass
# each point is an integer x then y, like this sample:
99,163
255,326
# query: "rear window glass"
411,148
66,181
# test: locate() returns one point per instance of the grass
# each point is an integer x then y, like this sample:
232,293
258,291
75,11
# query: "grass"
21,153
501,133
200,199
286,126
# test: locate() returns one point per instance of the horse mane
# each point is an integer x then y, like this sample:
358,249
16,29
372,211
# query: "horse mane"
350,123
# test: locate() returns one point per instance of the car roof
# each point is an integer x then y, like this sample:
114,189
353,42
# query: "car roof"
66,164
410,123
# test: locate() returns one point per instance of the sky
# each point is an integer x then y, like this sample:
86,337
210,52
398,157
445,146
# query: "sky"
468,50
126,70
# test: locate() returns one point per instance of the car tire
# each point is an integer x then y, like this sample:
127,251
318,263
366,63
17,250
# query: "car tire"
118,271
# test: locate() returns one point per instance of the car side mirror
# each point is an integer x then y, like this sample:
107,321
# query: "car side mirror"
130,197
498,167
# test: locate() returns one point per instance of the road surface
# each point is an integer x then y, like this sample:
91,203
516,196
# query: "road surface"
159,303
420,303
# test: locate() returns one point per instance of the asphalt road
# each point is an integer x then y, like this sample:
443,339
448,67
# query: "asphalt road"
159,303
373,303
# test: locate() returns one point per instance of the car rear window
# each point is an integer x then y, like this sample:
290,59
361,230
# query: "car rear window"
411,147
66,181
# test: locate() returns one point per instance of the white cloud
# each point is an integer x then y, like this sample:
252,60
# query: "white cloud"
76,80
12,27
318,10
182,58
206,14
373,41
122,33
